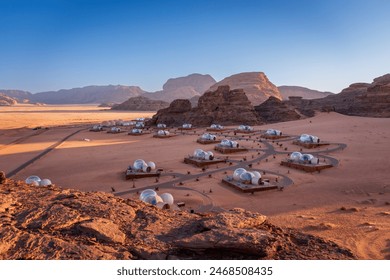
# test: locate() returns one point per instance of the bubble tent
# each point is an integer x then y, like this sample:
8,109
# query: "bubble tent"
201,158
163,201
36,181
141,169
227,146
207,138
248,181
244,129
309,141
136,131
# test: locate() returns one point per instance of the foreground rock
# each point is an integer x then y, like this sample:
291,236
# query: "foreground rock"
274,110
223,106
55,223
141,103
256,86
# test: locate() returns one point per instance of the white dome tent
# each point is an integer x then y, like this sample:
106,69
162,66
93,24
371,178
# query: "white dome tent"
229,143
306,138
139,125
163,132
161,125
304,158
216,126
136,131
33,180
187,125
140,165
208,136
247,177
243,127
273,132
200,154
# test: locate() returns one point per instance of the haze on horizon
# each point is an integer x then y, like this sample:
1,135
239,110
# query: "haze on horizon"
323,45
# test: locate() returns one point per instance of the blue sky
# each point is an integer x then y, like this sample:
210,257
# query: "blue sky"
324,45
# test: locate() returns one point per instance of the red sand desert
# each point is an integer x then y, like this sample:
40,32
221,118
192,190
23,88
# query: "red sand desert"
348,204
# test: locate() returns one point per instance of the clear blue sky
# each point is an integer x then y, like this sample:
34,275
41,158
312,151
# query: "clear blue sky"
324,45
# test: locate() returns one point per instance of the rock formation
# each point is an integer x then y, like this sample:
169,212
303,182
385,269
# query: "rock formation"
306,93
6,100
183,88
274,110
141,103
223,106
255,85
89,95
359,99
52,223
20,96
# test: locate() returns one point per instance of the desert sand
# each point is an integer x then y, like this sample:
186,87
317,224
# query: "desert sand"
348,204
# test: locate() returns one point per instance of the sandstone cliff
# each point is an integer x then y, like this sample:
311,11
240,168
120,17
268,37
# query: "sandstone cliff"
274,110
54,223
6,100
359,99
141,103
182,88
255,85
223,106
306,93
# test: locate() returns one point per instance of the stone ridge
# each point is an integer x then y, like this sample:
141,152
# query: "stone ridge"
256,86
223,106
52,223
141,103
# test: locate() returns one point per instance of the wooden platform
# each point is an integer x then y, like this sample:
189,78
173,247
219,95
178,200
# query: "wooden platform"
164,136
273,137
205,142
244,131
248,188
309,145
186,128
217,130
136,175
305,167
116,132
202,162
137,134
227,150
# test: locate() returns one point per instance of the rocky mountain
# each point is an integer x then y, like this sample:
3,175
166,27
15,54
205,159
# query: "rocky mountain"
40,223
255,84
359,99
6,100
141,103
89,95
223,106
19,95
306,93
274,110
182,88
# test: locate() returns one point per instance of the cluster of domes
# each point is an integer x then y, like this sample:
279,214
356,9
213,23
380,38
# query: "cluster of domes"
229,143
140,165
306,138
36,181
208,136
200,154
303,158
247,177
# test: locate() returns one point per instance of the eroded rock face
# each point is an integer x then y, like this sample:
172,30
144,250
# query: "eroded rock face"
222,106
6,100
274,110
256,86
141,103
55,223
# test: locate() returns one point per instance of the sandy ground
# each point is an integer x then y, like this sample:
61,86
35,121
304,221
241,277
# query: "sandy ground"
96,161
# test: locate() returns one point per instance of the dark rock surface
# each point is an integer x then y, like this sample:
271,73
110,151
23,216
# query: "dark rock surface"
141,103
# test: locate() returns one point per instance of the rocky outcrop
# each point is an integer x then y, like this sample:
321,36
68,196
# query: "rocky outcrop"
223,106
182,88
256,86
20,96
359,99
89,95
53,223
306,93
6,100
274,110
141,103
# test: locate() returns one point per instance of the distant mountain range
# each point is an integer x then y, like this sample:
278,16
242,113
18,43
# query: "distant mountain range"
256,85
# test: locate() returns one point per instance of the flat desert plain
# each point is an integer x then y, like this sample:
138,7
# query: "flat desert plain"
348,203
